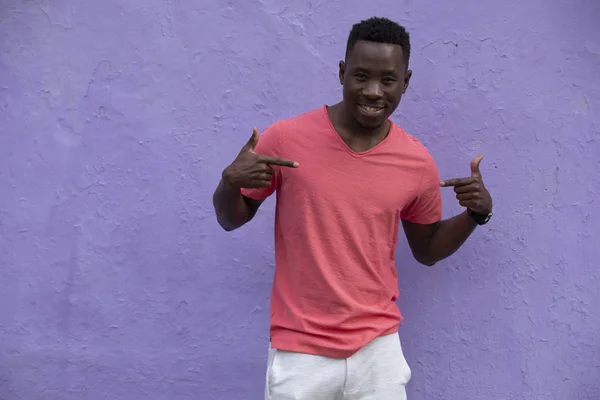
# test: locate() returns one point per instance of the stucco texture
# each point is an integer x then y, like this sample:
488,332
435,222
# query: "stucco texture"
117,118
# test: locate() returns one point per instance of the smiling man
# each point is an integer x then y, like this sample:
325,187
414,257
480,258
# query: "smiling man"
346,178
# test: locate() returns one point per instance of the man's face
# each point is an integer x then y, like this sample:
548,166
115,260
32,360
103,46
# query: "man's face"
374,78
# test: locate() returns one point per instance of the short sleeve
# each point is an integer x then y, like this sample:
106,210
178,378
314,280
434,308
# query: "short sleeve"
268,145
426,208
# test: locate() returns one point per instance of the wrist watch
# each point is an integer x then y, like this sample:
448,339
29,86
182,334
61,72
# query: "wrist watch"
478,218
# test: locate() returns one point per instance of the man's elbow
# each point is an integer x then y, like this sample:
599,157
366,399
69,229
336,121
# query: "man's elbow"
427,263
226,224
229,224
228,228
425,260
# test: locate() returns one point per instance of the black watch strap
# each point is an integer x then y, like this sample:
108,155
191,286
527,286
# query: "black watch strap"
478,218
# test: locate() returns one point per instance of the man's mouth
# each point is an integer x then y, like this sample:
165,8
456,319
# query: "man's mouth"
371,110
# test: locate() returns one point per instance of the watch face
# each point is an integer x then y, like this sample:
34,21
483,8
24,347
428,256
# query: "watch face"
480,219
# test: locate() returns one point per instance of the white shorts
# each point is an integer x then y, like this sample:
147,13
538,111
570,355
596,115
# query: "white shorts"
376,372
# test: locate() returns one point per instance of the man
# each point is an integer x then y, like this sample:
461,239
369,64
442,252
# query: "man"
346,176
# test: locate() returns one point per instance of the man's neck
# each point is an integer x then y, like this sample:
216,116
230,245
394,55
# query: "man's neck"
355,136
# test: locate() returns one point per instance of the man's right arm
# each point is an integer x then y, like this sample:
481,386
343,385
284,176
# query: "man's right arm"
232,208
253,173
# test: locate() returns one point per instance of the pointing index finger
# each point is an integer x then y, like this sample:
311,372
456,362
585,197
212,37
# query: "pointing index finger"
278,161
457,182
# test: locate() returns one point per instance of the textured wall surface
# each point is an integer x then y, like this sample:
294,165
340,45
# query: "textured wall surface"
117,117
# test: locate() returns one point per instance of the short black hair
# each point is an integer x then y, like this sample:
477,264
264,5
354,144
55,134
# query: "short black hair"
381,30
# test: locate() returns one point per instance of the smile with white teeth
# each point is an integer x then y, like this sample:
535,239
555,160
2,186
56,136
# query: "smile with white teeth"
371,109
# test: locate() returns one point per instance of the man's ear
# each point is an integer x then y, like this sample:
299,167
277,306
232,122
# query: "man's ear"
407,77
342,72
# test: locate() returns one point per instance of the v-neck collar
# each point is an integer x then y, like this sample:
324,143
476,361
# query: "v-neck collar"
345,145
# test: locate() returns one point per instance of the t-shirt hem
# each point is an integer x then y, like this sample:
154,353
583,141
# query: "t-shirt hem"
283,344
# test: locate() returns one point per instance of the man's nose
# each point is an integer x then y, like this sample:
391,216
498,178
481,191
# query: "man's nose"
373,90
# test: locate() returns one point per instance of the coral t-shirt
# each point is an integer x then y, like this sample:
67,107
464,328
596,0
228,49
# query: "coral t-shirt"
336,227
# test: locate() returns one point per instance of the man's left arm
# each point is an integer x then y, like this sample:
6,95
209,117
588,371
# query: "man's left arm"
431,243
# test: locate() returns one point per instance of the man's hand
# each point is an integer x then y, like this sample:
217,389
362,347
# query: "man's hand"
251,170
470,192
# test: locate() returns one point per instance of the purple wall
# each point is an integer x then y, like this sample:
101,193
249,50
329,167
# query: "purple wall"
117,118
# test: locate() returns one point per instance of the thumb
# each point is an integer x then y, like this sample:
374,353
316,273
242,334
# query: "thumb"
475,166
251,145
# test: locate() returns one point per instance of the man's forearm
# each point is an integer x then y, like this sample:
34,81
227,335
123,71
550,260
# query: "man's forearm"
231,208
449,236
